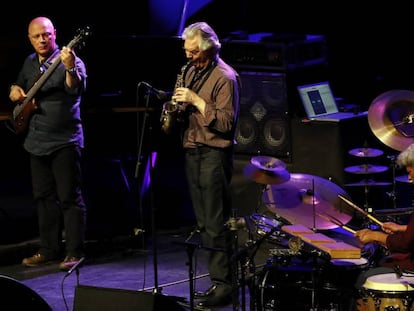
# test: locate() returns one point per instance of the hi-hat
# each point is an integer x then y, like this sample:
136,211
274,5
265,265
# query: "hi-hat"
301,199
266,177
390,117
366,169
365,152
368,183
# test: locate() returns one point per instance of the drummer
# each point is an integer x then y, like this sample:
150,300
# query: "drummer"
398,239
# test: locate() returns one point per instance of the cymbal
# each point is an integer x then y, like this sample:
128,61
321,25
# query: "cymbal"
366,169
403,178
368,183
394,211
267,163
390,117
365,152
303,197
266,177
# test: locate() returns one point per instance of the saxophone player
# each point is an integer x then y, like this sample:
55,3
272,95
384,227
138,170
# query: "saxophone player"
211,93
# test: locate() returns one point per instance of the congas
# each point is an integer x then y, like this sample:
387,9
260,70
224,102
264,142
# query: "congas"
387,292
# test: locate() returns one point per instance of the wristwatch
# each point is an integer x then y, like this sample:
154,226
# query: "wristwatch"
72,71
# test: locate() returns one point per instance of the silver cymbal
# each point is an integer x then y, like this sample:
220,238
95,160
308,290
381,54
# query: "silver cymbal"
366,169
365,152
267,163
403,178
368,183
303,197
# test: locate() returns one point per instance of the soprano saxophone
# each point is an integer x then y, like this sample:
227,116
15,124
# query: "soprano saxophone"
172,111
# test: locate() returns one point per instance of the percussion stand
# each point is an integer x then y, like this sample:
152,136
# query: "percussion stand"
392,195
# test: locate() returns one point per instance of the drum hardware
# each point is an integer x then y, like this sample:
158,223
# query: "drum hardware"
390,117
298,199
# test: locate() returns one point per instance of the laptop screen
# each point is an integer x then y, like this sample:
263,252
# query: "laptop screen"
317,99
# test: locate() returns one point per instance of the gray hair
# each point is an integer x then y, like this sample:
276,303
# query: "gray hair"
208,37
406,157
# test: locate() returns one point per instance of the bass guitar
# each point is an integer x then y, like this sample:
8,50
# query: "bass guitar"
23,111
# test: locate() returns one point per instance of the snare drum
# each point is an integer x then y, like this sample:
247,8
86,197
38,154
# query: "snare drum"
383,292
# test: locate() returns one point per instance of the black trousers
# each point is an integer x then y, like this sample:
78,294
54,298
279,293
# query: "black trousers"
56,182
209,172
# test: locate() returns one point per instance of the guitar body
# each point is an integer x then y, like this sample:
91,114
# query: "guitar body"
22,116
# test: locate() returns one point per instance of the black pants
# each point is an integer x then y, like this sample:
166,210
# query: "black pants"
209,172
56,182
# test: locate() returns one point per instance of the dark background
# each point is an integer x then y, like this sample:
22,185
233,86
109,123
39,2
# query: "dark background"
367,52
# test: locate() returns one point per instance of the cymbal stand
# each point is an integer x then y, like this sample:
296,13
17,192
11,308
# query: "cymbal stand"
393,194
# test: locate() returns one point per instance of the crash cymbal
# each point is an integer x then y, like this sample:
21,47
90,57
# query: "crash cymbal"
403,178
366,169
365,152
303,197
390,117
368,183
268,163
266,177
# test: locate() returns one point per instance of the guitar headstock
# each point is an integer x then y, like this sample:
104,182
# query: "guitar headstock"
80,38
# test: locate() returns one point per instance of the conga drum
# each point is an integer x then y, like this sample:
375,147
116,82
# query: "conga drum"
384,292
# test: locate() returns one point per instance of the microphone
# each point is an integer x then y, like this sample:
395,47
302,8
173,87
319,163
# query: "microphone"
75,267
162,95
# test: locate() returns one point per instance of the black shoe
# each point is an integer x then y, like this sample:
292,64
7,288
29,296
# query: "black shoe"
206,293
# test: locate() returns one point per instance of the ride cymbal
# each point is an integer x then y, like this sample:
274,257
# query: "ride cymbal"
266,177
390,117
301,199
366,169
365,152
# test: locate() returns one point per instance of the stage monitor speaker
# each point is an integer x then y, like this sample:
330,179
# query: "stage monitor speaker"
264,124
92,298
17,296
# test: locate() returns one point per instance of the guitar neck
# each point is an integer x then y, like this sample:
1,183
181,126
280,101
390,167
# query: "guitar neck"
41,81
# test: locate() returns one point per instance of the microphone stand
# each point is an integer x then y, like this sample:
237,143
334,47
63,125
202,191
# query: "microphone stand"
151,199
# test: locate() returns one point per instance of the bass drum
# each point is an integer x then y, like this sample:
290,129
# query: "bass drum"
286,287
304,287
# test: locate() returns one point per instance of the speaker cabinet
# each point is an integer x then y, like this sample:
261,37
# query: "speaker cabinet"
321,147
17,296
92,298
264,125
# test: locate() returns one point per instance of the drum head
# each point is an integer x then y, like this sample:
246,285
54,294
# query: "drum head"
389,282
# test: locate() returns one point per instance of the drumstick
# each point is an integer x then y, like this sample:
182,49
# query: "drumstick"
336,222
360,210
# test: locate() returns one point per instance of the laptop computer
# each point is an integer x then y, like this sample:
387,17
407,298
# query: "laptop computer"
320,104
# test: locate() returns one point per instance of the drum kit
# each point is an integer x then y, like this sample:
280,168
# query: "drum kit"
315,203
